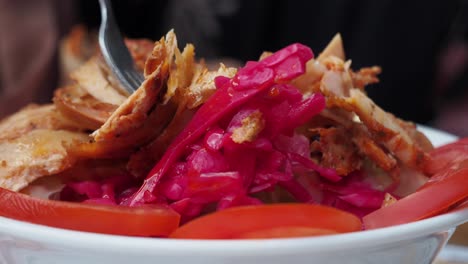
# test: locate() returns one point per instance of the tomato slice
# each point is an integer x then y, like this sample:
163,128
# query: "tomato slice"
117,220
447,156
462,206
428,201
288,231
447,159
273,220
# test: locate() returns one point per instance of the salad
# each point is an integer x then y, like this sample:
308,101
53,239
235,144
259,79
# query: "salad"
286,146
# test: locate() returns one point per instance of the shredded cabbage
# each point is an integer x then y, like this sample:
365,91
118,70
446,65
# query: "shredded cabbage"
241,143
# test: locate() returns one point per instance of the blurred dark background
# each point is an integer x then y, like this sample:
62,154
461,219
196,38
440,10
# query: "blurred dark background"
422,46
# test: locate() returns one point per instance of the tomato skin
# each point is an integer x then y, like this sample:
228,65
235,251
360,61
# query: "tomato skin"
447,156
462,206
428,201
240,221
289,231
117,220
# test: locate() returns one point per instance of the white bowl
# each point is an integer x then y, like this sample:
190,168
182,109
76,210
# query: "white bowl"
417,242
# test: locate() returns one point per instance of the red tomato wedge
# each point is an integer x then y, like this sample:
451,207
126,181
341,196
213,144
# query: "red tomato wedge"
448,156
428,201
268,221
289,231
117,220
462,206
447,159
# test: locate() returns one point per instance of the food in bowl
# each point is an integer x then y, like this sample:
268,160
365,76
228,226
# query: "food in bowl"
285,146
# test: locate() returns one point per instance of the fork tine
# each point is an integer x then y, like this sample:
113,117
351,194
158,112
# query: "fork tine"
115,52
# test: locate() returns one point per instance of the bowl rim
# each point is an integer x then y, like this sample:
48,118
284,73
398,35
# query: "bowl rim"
94,242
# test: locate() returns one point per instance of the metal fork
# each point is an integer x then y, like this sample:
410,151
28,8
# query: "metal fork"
115,52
